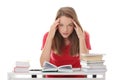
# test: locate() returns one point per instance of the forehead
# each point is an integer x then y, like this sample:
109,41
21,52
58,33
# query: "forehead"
64,19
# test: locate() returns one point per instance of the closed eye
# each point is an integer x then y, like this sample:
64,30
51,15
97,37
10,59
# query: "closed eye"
60,25
70,25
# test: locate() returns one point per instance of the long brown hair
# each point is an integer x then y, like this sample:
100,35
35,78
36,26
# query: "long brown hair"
58,41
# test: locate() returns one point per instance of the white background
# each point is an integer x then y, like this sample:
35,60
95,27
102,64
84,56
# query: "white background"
24,22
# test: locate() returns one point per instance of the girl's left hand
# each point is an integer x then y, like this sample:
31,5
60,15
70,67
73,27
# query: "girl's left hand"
78,30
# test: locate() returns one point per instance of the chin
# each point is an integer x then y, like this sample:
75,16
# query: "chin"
65,36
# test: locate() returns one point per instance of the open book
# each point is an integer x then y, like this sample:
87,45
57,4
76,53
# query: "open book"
49,67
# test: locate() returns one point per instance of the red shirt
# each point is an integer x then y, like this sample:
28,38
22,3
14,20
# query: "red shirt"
66,58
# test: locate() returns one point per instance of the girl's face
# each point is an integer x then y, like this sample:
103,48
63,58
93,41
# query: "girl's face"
66,26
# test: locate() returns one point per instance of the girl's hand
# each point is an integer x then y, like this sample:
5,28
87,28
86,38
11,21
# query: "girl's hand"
53,28
78,30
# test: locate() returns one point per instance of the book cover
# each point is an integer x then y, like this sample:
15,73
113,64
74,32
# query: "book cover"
91,57
90,63
94,66
21,69
94,70
92,54
23,63
49,67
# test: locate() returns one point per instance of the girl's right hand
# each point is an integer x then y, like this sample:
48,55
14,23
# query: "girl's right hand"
53,28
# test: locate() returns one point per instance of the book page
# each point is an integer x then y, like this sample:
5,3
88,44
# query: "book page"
65,68
47,66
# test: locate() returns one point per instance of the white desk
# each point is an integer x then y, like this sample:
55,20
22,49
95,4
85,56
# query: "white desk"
37,75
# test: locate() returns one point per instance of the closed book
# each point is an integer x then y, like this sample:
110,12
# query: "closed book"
21,69
91,57
90,63
94,70
22,63
94,66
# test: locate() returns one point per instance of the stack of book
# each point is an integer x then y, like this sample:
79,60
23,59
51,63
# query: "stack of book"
93,62
21,67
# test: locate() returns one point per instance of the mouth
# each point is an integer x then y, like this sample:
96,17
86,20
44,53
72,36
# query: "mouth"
65,33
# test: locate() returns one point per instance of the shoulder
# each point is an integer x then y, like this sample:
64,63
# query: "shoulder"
86,33
44,39
45,35
87,39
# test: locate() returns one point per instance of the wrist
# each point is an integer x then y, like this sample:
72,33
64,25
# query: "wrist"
81,37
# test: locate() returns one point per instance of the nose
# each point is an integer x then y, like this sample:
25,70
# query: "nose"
65,28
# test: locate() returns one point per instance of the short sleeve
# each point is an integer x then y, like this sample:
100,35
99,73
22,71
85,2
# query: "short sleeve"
44,40
87,40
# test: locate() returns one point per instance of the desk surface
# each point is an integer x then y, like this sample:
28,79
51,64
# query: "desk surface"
38,74
75,72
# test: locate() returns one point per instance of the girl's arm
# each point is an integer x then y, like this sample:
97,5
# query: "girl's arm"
45,56
82,44
81,35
